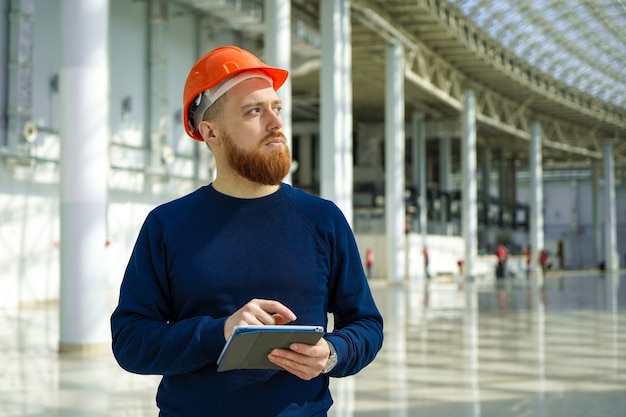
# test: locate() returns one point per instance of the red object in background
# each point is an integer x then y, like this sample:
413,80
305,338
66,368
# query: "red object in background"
369,258
501,252
369,261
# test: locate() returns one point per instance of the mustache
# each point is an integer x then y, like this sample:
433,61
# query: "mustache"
276,135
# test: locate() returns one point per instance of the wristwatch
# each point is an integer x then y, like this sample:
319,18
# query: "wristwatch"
332,359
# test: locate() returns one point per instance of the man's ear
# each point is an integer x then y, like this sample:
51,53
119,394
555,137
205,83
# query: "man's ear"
208,132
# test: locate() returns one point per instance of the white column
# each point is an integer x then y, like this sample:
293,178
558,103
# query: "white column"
336,105
346,161
84,92
394,163
596,208
470,185
536,200
278,53
610,223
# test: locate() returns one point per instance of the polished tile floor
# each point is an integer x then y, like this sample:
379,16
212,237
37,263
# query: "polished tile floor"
513,348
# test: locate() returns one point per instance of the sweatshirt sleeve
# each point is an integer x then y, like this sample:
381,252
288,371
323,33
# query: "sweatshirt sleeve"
145,339
358,324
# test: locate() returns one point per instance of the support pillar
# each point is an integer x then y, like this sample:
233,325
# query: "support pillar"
278,53
610,223
84,91
470,193
336,103
395,212
596,208
536,201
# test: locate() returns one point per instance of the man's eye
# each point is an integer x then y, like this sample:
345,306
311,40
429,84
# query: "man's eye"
278,109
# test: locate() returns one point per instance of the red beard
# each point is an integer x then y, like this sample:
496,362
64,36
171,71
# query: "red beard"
258,165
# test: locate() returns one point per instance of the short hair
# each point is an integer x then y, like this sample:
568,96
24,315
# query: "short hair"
215,111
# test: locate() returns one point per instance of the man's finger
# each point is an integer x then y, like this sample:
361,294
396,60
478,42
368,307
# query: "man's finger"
276,308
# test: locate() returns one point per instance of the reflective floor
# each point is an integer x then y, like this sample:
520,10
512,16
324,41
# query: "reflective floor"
511,348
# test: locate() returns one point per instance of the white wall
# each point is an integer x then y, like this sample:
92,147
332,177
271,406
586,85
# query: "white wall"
29,205
568,211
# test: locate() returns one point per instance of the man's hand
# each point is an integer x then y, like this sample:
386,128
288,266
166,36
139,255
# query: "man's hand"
258,311
302,360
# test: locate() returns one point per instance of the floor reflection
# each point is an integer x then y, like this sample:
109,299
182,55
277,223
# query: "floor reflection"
554,347
549,347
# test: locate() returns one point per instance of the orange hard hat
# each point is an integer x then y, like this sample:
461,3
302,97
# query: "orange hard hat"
213,68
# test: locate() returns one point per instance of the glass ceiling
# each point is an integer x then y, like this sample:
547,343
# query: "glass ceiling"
579,42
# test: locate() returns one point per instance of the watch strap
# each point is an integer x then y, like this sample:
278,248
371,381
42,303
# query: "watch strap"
332,358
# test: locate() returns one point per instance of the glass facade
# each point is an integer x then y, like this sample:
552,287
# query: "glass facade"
582,43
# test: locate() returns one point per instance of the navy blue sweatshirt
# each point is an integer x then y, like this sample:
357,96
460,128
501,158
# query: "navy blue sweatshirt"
200,258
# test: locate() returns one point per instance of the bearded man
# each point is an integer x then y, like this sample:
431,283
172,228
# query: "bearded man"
245,249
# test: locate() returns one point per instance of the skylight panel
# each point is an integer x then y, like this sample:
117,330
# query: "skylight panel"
581,43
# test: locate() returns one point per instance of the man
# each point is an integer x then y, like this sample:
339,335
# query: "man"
246,249
501,254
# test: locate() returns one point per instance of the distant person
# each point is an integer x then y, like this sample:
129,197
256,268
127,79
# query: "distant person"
245,249
502,255
369,261
426,261
544,260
